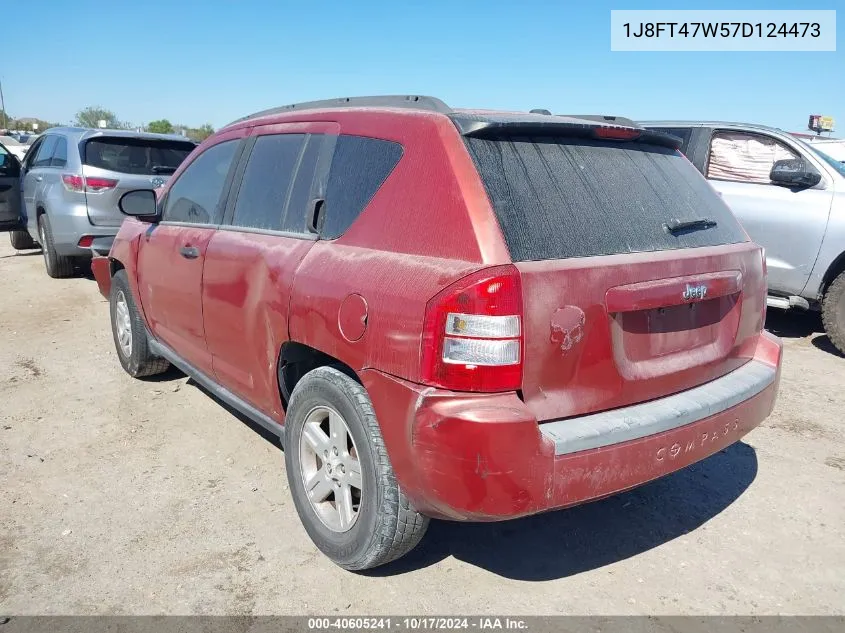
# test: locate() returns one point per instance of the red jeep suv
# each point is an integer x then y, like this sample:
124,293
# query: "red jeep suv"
468,315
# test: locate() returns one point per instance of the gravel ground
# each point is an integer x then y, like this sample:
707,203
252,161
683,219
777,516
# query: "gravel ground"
122,496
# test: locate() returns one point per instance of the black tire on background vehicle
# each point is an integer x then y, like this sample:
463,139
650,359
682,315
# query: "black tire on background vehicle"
58,266
21,241
130,335
833,312
385,525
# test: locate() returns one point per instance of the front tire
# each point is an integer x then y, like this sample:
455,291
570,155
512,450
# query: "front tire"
21,241
833,312
342,482
58,266
129,333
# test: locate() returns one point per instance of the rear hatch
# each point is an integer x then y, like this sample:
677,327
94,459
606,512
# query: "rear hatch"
113,165
638,282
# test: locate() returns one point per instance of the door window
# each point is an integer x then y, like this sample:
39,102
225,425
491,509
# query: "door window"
29,157
45,152
743,157
195,196
60,153
267,184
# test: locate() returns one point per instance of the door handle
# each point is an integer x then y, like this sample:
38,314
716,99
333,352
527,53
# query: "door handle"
39,178
189,252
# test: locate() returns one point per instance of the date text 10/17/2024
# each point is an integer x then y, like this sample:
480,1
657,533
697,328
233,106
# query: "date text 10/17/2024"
416,624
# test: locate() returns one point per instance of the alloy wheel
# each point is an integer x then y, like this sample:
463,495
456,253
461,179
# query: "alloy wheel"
330,469
124,324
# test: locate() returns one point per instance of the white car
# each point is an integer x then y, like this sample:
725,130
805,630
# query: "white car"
14,146
833,147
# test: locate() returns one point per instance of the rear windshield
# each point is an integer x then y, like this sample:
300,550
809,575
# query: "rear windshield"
559,197
136,155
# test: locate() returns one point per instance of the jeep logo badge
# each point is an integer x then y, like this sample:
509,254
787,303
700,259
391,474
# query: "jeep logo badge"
694,293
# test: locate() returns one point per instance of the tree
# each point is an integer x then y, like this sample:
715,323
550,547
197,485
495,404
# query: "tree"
92,115
200,133
203,132
162,126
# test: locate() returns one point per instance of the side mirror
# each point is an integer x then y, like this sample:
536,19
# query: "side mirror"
9,166
141,204
794,172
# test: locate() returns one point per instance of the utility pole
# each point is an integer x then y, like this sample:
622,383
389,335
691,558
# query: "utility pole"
3,105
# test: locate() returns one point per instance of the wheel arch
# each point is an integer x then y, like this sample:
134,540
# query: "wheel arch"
833,271
297,359
114,266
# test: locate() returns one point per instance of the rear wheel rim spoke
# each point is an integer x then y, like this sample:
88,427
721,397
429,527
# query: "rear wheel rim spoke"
319,487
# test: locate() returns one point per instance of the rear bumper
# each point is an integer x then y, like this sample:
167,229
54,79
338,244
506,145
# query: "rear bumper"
485,457
70,223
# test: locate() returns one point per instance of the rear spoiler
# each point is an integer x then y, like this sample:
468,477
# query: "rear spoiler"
497,126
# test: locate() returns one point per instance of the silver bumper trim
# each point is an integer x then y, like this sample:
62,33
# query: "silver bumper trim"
641,420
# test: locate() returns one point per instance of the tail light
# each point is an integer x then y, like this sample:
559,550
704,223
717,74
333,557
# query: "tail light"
73,182
96,185
85,241
90,184
472,335
616,133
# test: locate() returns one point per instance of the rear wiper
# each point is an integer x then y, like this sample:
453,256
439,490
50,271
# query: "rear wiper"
162,169
675,224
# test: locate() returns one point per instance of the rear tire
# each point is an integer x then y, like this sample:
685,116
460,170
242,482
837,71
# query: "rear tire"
21,241
833,312
381,524
129,333
58,266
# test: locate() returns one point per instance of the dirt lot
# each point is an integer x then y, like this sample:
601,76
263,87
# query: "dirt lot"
122,496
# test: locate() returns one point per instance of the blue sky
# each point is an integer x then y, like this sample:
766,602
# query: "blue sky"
214,61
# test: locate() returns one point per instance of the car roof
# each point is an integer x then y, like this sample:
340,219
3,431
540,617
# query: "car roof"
819,141
715,124
420,105
81,133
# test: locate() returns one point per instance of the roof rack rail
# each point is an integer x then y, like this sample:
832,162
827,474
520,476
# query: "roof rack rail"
602,118
412,102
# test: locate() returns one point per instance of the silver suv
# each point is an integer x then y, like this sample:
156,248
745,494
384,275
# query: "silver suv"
790,198
70,182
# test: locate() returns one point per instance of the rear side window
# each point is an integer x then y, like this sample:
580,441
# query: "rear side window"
267,182
195,195
60,153
141,156
360,166
559,197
